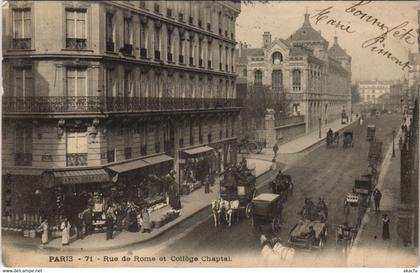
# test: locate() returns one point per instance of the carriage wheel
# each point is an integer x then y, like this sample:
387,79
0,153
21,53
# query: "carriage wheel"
252,147
248,210
276,224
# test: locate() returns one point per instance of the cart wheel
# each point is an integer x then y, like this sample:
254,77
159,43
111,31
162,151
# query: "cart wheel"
248,210
276,224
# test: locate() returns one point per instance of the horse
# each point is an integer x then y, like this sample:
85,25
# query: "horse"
273,251
233,210
216,209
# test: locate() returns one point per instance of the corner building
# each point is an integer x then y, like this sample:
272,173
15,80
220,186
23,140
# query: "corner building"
314,77
102,91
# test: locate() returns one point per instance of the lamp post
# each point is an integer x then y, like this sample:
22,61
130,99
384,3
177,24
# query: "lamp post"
320,124
393,143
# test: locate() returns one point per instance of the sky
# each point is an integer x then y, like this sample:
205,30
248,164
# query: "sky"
283,18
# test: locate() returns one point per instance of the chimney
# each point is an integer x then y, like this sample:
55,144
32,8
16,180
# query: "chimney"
266,39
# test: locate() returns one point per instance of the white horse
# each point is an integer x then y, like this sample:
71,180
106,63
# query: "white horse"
217,211
274,252
233,210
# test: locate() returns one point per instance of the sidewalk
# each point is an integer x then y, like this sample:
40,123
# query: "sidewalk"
369,249
306,141
191,204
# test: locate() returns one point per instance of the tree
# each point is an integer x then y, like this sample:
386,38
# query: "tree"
355,95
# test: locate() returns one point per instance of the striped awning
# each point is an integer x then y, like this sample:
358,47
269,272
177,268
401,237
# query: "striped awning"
198,150
67,177
128,166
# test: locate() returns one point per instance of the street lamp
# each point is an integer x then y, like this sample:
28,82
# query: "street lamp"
393,143
320,124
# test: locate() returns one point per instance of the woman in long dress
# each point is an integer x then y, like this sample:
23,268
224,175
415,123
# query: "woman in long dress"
65,232
44,229
147,225
385,227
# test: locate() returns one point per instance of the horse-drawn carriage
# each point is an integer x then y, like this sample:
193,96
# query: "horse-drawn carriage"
309,234
282,185
251,146
267,212
236,192
347,139
370,132
333,139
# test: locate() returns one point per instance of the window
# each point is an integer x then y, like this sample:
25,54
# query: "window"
76,82
258,77
233,126
128,39
128,142
22,28
110,38
169,47
296,109
277,58
200,53
23,145
296,80
128,83
277,80
23,82
143,41
157,8
181,50
209,54
110,82
143,4
157,44
77,149
191,48
76,29
245,72
220,57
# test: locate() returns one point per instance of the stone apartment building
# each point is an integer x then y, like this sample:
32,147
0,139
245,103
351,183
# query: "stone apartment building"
100,91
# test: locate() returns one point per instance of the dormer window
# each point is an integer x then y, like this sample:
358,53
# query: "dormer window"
277,58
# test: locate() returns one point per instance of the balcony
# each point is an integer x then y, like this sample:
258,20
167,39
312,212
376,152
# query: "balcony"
181,59
77,159
170,57
128,152
143,149
200,62
209,64
143,52
127,50
191,61
110,156
94,104
157,147
75,43
23,159
157,55
110,46
22,43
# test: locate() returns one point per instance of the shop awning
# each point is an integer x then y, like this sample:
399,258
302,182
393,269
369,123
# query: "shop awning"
157,159
198,150
27,172
80,176
128,166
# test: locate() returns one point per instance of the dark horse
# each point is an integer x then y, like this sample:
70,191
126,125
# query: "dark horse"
283,186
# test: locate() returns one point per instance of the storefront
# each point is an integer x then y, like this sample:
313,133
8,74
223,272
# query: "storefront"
142,180
197,166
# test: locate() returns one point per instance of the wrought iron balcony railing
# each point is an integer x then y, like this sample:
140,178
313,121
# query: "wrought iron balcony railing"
111,104
22,43
76,43
77,159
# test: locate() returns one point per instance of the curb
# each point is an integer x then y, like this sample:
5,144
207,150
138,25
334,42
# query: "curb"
141,241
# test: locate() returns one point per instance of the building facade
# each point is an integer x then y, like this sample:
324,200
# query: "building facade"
100,91
371,91
314,77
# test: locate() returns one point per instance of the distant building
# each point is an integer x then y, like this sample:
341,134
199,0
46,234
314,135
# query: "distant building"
315,78
371,91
